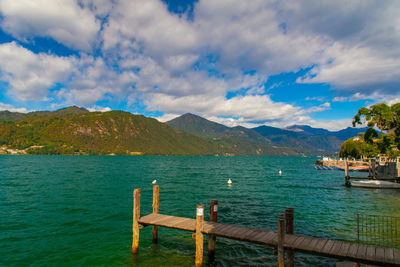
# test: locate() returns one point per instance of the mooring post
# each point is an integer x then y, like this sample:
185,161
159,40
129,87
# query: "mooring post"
199,235
213,218
289,214
156,201
135,223
281,238
346,172
374,168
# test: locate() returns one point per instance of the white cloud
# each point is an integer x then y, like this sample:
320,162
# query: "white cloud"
63,20
30,75
97,108
175,65
12,108
94,80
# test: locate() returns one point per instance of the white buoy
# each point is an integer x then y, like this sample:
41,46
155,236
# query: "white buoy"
154,182
280,172
229,182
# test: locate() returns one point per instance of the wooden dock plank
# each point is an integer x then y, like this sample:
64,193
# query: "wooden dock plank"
328,246
305,244
389,255
324,247
361,251
336,247
371,252
344,249
380,253
396,253
320,245
268,238
352,252
260,237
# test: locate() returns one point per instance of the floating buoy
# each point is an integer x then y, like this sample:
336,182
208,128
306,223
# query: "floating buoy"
154,182
280,172
229,182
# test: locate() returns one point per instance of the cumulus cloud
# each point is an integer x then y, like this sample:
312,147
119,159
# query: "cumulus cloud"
63,20
215,64
31,75
11,108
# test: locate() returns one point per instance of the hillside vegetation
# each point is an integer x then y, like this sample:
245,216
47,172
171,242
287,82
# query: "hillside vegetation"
77,131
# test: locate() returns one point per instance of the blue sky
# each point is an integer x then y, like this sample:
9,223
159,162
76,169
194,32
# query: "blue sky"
235,62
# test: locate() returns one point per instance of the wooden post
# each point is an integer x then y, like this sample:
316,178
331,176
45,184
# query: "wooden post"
374,168
346,173
289,214
281,238
213,218
156,201
135,224
199,235
370,168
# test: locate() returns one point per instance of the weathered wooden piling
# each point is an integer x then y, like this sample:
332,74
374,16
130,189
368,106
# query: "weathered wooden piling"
346,173
156,201
199,235
281,239
373,168
213,218
289,214
135,223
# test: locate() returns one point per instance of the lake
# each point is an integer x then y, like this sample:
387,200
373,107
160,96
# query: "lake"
77,210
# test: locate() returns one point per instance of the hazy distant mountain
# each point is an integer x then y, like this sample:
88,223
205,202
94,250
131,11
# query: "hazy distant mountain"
342,134
241,138
308,140
302,139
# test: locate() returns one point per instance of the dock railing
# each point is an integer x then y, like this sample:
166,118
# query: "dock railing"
378,230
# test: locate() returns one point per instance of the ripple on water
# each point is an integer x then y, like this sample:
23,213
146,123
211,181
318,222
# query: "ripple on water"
76,211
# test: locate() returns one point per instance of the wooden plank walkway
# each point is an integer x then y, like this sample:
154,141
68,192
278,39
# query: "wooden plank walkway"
324,247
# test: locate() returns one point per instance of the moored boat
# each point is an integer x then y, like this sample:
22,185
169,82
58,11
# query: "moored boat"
375,184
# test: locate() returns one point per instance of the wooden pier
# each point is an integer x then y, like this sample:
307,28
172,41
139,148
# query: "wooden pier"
284,240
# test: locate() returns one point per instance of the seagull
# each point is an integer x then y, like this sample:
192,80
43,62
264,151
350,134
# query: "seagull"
154,182
280,172
229,182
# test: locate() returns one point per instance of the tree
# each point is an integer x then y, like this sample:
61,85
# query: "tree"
369,135
379,115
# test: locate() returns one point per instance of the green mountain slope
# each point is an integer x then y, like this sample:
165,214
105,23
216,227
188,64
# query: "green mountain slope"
16,116
77,131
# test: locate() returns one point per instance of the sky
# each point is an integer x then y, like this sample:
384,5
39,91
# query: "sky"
235,62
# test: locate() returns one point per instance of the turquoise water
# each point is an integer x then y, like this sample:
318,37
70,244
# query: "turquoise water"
77,210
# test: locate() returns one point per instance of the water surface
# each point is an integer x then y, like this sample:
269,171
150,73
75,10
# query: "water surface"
77,210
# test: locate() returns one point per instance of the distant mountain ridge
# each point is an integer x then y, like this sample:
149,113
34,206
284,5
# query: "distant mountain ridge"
302,139
75,130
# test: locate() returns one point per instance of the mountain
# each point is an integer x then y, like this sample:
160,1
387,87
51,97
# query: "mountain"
308,140
16,116
302,139
76,131
200,126
342,134
247,141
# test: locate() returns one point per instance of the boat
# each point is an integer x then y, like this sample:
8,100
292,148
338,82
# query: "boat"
375,184
351,168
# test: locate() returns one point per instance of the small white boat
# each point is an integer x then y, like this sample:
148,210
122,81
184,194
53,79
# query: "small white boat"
375,184
229,182
280,172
